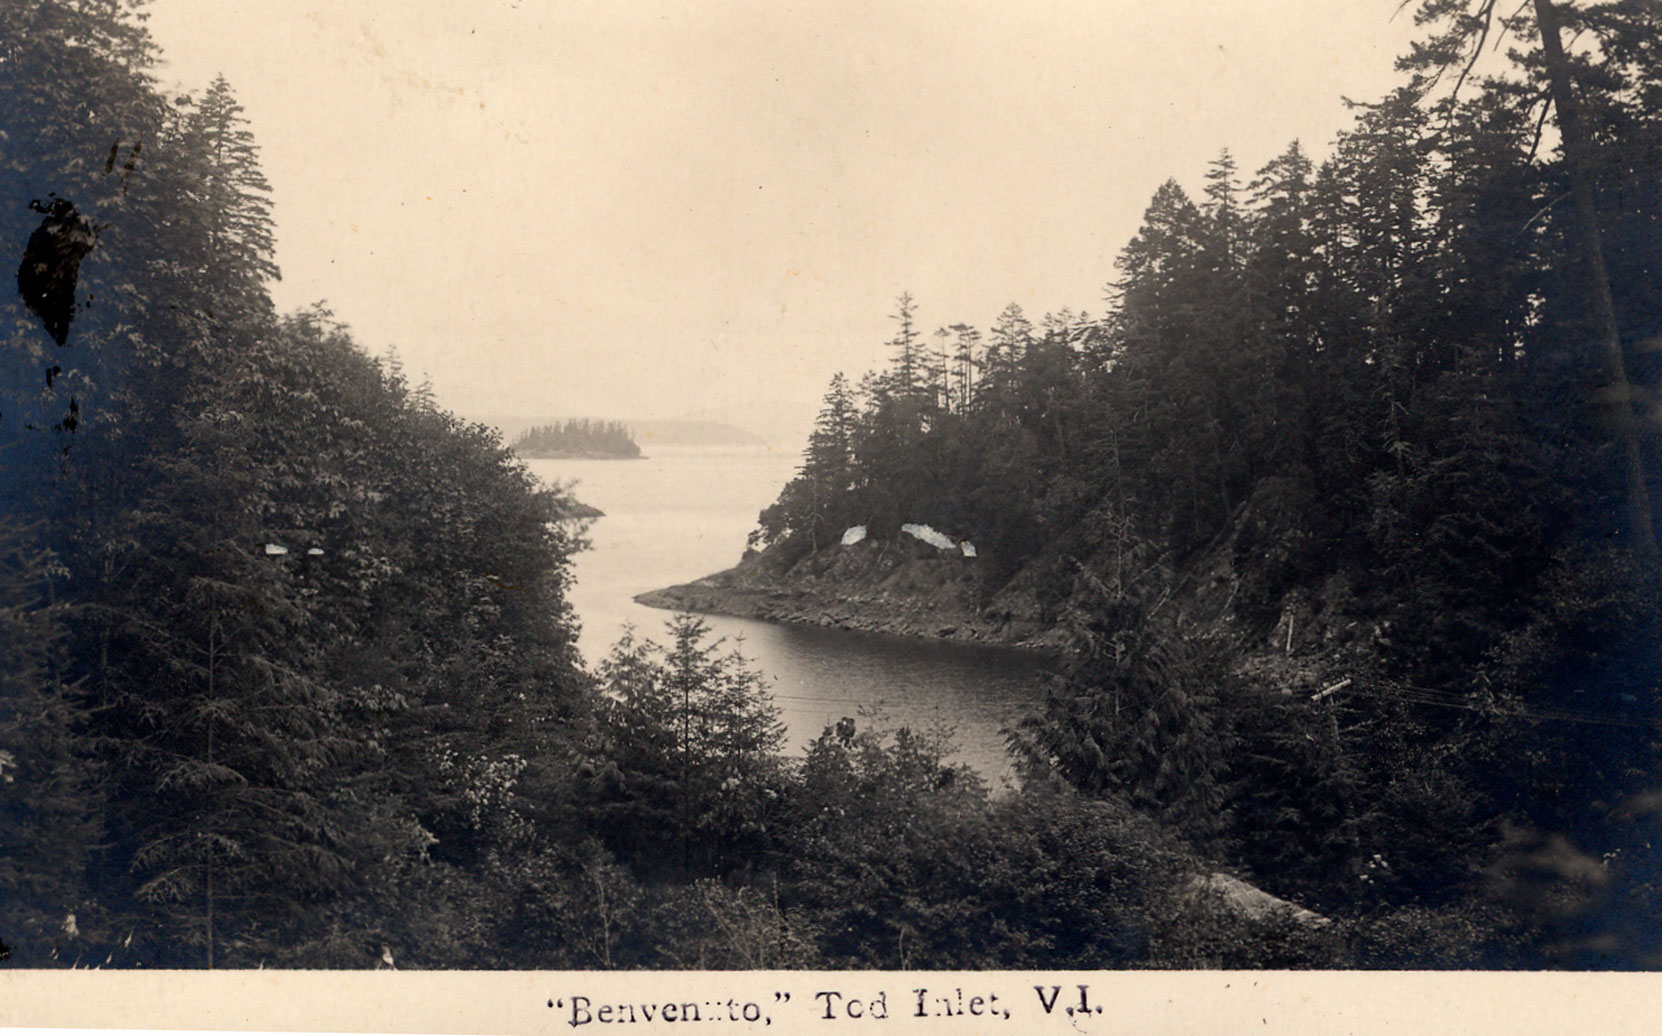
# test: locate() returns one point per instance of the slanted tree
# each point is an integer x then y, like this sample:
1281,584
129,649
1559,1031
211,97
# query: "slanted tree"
1465,27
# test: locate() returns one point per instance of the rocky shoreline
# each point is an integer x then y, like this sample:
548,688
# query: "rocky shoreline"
873,588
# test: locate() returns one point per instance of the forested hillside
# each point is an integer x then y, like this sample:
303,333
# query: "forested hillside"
1344,502
275,628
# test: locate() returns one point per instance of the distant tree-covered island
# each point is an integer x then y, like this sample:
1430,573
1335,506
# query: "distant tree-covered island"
579,437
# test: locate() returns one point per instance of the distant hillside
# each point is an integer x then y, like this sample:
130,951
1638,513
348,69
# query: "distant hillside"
646,432
692,433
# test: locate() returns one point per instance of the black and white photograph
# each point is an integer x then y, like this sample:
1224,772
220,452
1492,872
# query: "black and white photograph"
895,486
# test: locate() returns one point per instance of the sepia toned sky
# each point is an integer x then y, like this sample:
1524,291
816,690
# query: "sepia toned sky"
668,208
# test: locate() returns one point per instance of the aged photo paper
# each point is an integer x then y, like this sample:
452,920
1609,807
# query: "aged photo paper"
692,214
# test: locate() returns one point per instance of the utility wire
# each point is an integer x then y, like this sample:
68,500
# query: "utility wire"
1393,691
1452,700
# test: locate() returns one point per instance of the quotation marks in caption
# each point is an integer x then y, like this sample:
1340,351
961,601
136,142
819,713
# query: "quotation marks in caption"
825,1005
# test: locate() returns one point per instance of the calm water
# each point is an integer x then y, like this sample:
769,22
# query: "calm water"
684,513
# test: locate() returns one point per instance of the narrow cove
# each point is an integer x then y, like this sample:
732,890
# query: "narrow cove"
684,512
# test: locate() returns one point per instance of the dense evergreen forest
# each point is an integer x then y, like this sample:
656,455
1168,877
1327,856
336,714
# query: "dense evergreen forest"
287,673
1345,501
578,437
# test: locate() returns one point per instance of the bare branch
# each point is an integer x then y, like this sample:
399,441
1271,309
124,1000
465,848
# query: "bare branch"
1506,24
1487,14
1540,124
1542,212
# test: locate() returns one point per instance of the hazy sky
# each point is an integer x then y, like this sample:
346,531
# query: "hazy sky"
646,208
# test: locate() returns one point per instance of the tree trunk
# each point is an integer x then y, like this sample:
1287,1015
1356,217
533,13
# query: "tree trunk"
1576,147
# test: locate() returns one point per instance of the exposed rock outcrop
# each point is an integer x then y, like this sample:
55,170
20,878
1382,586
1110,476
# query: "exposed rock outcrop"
900,587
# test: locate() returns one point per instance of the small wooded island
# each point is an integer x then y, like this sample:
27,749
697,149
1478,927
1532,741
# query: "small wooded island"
579,437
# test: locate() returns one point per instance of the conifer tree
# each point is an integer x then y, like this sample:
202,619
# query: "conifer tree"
966,358
1281,250
49,802
1006,348
693,735
231,188
910,362
1223,212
